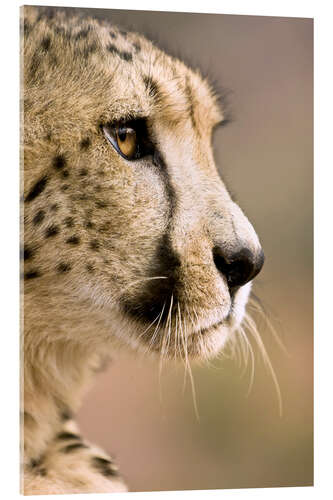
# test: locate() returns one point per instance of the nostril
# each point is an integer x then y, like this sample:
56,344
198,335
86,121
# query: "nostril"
238,267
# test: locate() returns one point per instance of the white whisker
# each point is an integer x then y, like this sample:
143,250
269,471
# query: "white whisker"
149,326
250,355
189,369
252,328
256,305
152,340
167,333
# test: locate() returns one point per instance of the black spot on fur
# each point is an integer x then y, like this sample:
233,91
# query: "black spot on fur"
37,189
63,267
68,435
90,49
27,103
51,231
69,222
83,33
35,62
42,471
88,224
39,217
83,172
28,418
94,245
112,48
64,32
90,268
85,143
27,253
26,27
66,415
126,56
73,447
101,204
64,187
46,13
54,207
46,42
151,86
137,47
188,91
59,162
73,240
113,35
31,275
36,462
104,466
65,173
48,136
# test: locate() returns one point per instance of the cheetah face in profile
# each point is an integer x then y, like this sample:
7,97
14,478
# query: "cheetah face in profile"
125,212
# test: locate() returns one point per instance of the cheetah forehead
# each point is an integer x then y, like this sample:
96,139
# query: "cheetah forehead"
89,57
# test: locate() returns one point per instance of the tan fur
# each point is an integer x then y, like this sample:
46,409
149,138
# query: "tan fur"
94,234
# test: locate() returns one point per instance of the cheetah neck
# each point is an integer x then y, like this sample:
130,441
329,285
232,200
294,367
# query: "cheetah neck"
58,370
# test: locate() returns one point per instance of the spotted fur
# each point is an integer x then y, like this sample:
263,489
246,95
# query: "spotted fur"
116,252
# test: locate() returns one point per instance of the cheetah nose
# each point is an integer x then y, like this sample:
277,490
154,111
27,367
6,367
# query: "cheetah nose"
240,266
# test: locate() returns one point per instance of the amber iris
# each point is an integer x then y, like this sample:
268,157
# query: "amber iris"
126,141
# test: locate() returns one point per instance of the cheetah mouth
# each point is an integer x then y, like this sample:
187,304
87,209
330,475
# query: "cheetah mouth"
225,321
172,331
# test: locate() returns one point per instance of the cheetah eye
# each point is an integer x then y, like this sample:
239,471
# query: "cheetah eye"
126,141
129,139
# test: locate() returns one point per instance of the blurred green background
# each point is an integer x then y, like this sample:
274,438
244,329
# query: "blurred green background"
265,156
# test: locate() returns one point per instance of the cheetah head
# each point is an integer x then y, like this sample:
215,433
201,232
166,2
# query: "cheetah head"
126,217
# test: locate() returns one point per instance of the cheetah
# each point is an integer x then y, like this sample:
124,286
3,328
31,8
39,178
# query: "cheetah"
130,237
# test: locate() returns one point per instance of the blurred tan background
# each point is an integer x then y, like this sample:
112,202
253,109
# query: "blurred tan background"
265,156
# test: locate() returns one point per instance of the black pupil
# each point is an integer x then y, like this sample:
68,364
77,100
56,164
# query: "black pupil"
122,134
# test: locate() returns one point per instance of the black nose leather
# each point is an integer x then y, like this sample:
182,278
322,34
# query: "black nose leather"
239,267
